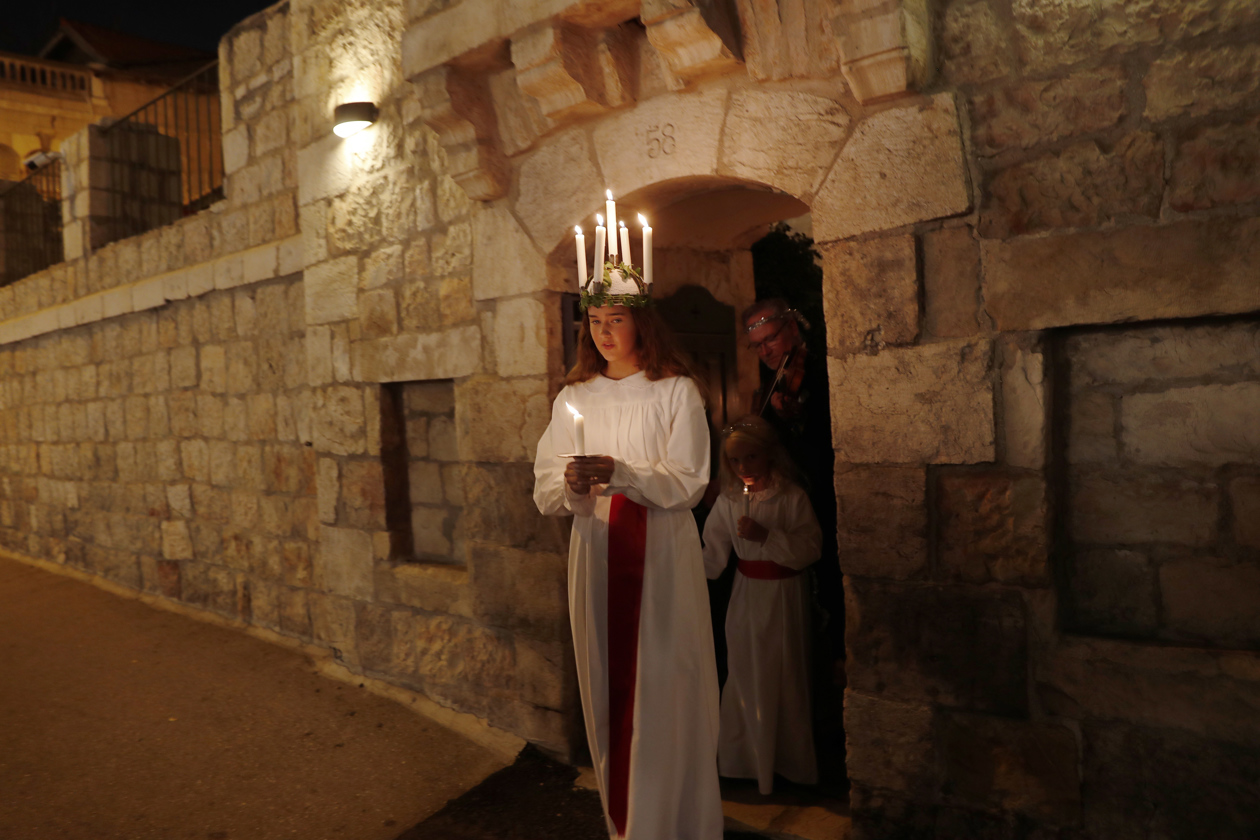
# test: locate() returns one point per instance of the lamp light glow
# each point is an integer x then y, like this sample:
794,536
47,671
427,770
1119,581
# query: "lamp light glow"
352,117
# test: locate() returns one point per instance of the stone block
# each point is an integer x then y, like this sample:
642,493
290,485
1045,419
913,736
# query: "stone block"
1209,599
870,293
500,420
324,170
1215,166
333,624
431,532
1079,186
929,404
522,591
450,650
1024,408
1196,426
338,426
1112,591
1196,83
1212,694
1165,353
343,562
506,261
328,486
1022,767
442,355
1149,782
674,135
499,508
1031,113
889,744
951,283
1244,497
1092,428
455,301
452,251
295,559
782,138
1130,508
363,494
992,527
1176,270
431,587
918,643
331,290
378,314
974,43
907,163
235,149
882,520
520,337
210,587
176,542
214,368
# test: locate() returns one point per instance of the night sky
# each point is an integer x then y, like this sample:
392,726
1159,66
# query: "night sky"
200,24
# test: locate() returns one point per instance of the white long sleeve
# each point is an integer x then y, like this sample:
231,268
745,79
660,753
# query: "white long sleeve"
677,481
718,530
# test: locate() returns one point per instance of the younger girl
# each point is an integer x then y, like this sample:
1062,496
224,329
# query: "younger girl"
765,717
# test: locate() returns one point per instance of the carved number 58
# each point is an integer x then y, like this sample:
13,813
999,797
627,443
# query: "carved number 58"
660,140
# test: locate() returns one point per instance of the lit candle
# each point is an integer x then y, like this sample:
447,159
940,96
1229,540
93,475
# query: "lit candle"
647,250
610,207
625,243
581,256
599,248
747,496
579,430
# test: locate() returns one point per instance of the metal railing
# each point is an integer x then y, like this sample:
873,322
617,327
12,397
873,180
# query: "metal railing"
189,114
47,76
30,223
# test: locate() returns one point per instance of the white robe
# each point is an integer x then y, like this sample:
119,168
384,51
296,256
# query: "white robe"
766,725
657,432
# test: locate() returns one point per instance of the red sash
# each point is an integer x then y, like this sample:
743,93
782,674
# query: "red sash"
627,542
766,570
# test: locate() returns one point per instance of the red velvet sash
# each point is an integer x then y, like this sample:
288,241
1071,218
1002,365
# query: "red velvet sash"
627,542
766,570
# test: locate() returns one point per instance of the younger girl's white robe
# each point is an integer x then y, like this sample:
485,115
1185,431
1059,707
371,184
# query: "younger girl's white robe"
766,724
657,432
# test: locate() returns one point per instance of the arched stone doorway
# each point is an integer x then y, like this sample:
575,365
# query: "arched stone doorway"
538,117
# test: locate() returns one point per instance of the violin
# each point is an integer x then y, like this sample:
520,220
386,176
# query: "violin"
785,393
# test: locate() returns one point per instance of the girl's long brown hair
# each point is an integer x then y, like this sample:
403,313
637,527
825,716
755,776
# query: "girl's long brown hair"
659,353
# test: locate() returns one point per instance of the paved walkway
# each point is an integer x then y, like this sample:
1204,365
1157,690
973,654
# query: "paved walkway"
123,722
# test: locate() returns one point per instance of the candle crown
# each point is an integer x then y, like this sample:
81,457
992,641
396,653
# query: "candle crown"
615,283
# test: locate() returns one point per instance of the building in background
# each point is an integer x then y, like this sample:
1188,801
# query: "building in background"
83,74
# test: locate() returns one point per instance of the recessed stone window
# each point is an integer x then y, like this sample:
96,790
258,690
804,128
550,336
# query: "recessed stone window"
1158,446
423,474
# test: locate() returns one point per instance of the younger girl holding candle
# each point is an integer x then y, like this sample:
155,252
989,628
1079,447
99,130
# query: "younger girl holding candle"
765,717
638,603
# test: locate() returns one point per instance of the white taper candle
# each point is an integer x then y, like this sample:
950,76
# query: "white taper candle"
625,244
579,430
600,234
581,256
610,207
647,250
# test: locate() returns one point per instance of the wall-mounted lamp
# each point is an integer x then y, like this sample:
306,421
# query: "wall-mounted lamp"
353,116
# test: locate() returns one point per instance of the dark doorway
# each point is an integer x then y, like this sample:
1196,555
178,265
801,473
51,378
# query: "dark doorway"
786,265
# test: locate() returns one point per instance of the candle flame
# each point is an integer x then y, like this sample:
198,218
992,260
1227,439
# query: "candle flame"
609,194
642,220
599,220
577,229
574,410
622,222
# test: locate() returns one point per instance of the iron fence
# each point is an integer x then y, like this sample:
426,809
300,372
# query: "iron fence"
185,119
30,223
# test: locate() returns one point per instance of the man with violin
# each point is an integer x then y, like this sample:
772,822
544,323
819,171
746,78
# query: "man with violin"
794,398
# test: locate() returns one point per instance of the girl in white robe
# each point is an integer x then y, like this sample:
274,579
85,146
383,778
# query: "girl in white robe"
765,718
638,601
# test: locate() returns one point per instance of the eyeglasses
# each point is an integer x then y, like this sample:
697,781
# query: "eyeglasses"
756,346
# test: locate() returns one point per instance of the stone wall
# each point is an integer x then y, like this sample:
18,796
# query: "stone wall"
977,180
